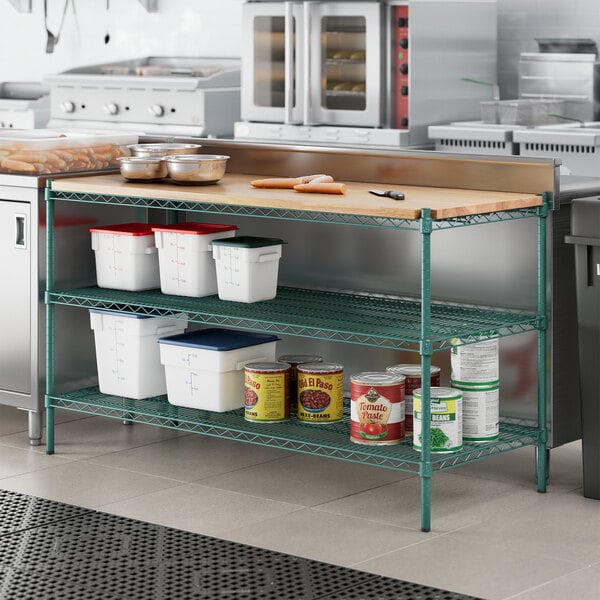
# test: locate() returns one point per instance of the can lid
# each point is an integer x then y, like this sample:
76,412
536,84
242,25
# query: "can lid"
248,241
125,229
411,370
440,392
377,378
218,339
322,367
297,359
271,367
194,228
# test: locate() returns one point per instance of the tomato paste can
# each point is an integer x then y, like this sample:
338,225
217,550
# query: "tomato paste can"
445,422
476,363
294,360
377,408
266,391
480,411
320,392
412,373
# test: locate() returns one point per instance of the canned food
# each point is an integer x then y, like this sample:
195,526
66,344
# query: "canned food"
266,391
377,408
445,421
481,412
412,373
320,392
476,363
294,360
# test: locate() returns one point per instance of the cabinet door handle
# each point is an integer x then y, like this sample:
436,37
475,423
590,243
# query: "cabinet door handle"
20,231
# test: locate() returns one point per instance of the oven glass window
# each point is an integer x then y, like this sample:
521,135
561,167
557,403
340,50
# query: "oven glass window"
343,67
269,61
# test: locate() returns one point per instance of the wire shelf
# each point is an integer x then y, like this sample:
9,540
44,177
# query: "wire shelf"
363,319
291,215
332,440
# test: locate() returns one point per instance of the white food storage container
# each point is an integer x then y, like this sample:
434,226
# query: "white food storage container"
247,267
205,368
126,257
127,352
185,259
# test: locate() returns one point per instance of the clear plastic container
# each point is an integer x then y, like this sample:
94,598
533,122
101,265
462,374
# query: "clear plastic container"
523,111
44,151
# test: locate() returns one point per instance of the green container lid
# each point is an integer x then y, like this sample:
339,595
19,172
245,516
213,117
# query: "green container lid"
248,241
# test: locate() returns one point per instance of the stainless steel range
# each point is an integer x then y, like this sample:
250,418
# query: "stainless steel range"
152,95
24,105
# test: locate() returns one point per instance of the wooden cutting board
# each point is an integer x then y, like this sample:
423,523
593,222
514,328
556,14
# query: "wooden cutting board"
235,189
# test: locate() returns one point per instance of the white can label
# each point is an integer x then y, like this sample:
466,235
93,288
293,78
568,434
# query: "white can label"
480,414
475,363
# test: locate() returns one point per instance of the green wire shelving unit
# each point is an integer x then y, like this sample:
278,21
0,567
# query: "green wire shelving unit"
417,325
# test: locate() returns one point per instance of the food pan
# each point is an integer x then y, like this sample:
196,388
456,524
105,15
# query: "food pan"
198,169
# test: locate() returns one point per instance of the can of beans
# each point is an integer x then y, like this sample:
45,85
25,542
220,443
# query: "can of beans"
320,392
377,408
294,360
412,373
266,391
445,419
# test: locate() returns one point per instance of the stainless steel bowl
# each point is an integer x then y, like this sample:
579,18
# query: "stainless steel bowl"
163,149
199,169
138,168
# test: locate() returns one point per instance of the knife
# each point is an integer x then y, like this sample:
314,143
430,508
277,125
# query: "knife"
388,194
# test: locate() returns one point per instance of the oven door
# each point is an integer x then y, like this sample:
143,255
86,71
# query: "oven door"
272,54
344,49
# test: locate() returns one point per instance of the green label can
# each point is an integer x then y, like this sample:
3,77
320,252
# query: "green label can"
476,363
320,392
481,412
445,422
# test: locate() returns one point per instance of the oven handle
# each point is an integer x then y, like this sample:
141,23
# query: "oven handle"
289,62
306,104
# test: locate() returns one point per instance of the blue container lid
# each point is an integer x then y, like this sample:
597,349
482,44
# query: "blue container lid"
218,339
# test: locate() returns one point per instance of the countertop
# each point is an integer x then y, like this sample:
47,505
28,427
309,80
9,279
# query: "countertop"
235,189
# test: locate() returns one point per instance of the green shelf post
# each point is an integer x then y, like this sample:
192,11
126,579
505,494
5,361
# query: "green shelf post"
49,319
542,458
425,227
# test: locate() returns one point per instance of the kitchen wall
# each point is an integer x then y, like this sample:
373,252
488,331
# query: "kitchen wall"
210,28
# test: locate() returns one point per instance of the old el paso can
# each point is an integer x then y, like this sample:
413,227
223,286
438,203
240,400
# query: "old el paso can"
266,391
377,408
320,392
294,360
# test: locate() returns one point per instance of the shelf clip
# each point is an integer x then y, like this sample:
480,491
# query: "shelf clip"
425,347
542,323
425,469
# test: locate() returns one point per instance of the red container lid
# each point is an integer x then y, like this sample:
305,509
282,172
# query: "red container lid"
126,229
195,228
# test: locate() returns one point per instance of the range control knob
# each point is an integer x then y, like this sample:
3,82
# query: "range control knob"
157,110
111,108
67,106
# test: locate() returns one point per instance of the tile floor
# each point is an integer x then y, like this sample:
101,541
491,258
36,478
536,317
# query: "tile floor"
493,536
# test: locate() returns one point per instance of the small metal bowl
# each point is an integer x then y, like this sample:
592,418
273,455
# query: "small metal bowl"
138,168
200,169
165,149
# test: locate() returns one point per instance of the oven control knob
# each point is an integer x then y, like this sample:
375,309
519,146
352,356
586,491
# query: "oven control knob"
157,110
67,106
111,108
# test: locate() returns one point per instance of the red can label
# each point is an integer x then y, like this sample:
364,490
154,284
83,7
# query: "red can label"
376,412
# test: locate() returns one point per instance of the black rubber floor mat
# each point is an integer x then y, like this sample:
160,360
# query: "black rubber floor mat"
77,554
19,512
